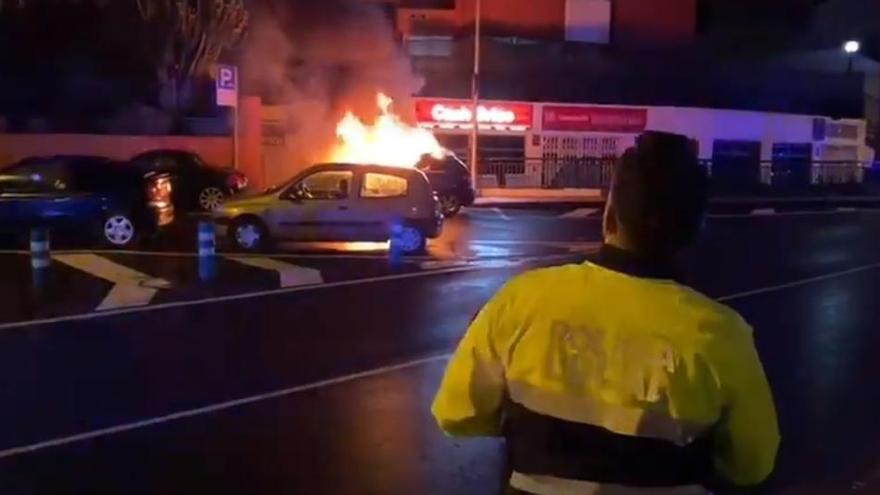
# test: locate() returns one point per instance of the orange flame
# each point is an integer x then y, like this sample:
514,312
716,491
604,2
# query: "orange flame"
388,141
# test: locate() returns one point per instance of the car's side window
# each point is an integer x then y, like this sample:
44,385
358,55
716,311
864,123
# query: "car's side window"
49,173
330,184
377,185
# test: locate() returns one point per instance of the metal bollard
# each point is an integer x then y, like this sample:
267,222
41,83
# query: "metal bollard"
40,258
207,252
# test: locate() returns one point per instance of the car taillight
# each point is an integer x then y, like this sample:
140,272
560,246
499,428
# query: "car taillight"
236,181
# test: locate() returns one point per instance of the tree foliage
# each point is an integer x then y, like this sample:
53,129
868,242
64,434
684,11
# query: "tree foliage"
181,40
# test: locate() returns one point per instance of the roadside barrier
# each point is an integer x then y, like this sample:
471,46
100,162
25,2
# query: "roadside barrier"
395,253
207,251
41,259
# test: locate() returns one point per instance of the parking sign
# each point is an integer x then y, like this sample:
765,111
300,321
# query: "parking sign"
227,86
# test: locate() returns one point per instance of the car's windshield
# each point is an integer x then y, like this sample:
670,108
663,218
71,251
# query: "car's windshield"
440,247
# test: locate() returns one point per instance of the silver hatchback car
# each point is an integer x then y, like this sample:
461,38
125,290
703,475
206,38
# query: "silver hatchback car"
337,202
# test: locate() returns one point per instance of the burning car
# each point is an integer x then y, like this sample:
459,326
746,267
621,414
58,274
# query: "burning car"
338,202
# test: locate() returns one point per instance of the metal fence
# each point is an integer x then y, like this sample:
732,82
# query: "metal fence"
596,173
546,174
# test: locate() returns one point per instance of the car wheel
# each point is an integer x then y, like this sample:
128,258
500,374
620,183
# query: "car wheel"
210,198
119,230
410,240
450,205
249,234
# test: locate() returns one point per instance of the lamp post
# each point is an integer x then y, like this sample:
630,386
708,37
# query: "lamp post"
475,94
851,47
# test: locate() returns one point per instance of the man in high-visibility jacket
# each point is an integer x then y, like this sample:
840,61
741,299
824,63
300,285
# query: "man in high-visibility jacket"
609,377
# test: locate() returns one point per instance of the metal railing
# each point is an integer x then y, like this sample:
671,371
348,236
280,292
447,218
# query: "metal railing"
596,173
581,173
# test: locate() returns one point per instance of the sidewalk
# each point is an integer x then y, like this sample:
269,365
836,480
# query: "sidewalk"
524,198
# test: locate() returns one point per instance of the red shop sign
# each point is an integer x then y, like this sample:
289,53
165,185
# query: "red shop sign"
595,119
459,113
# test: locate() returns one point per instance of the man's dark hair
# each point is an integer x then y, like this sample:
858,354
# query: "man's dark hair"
660,192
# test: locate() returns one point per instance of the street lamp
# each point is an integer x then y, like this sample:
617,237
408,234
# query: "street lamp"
851,47
475,94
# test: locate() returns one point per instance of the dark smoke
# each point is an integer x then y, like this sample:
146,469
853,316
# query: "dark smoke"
322,58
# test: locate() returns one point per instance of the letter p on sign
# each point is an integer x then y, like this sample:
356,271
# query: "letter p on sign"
227,86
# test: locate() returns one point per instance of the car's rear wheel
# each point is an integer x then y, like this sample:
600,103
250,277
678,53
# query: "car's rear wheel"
409,240
119,230
249,234
450,205
210,198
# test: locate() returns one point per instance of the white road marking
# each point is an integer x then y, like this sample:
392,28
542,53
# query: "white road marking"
212,408
798,283
275,394
572,246
764,211
253,295
580,213
131,287
500,213
288,274
805,213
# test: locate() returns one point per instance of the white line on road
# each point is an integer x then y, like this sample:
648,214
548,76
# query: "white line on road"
580,213
131,287
501,214
254,295
289,275
188,413
798,283
779,214
276,394
763,211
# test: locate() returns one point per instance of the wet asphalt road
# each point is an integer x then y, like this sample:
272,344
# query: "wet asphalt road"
334,382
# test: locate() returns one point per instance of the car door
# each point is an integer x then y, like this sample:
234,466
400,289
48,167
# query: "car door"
44,193
383,201
318,207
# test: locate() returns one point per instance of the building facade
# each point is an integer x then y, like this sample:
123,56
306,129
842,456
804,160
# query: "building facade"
625,22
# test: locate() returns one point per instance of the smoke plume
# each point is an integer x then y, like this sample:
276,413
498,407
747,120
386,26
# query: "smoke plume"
320,59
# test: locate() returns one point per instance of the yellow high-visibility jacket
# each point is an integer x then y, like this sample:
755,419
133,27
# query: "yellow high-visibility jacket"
635,356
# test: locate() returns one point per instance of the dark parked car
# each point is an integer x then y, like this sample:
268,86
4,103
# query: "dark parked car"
451,180
84,195
197,185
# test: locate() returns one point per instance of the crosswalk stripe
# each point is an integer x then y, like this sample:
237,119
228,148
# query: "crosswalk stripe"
580,213
500,213
131,287
289,275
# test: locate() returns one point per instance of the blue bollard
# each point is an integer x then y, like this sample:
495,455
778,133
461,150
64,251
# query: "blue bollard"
40,258
207,252
395,254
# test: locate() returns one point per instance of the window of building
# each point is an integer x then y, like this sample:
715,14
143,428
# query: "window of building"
383,186
427,4
430,46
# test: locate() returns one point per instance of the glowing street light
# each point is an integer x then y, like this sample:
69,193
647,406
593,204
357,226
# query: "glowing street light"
851,47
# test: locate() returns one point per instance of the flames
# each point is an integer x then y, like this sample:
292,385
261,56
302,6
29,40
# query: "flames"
388,141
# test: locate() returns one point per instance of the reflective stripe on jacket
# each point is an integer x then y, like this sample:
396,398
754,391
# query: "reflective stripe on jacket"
635,357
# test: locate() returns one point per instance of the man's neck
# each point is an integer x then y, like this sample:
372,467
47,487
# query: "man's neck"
623,260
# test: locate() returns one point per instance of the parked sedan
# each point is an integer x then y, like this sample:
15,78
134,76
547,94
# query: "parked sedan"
451,180
84,195
197,185
338,202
